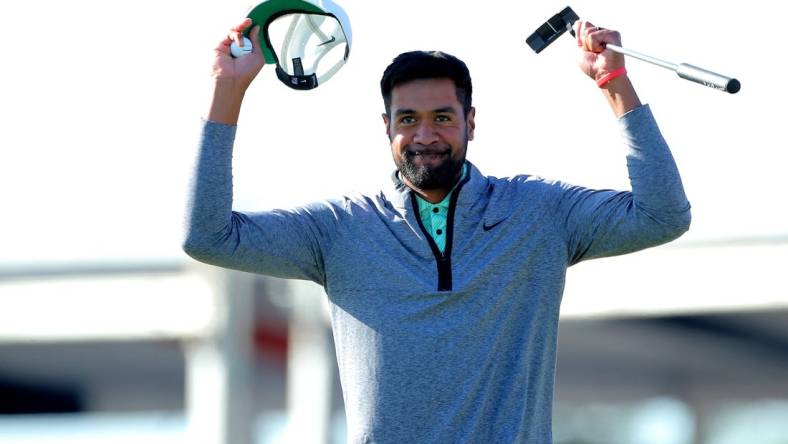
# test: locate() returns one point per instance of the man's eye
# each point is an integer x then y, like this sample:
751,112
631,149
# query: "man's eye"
407,120
443,118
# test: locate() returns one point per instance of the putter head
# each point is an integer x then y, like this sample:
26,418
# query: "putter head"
552,29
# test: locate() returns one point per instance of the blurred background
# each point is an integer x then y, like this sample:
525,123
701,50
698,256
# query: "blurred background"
109,333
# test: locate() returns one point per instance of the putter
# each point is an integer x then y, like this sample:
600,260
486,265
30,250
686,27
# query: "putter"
563,21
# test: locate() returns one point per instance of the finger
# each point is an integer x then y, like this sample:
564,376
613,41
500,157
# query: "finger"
224,46
243,26
609,36
594,41
236,36
585,28
254,36
598,40
579,32
237,31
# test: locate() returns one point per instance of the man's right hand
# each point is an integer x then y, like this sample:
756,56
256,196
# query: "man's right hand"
232,76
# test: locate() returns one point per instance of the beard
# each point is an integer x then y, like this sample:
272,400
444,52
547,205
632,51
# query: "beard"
428,177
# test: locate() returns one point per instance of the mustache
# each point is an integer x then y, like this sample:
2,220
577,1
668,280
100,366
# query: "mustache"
416,150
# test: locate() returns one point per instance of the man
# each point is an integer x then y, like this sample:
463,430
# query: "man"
444,288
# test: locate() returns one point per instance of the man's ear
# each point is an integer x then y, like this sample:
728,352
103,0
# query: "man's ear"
386,122
470,122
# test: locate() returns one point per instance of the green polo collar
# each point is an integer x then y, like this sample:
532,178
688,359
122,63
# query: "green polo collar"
434,216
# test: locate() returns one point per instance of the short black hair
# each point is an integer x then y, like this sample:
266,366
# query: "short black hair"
416,65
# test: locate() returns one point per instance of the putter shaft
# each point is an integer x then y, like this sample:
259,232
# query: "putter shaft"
685,71
641,56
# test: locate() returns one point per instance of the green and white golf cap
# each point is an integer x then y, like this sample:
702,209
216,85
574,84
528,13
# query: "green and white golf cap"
308,40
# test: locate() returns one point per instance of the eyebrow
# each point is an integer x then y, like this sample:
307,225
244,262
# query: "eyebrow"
445,109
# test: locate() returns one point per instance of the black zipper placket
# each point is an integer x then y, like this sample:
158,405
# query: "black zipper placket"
443,259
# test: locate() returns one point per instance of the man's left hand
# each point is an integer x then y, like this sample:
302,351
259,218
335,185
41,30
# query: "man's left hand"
596,61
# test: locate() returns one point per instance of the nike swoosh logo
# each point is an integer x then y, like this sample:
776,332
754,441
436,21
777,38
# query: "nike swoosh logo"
491,226
328,41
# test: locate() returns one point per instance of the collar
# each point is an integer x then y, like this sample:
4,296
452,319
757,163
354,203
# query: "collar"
423,203
475,183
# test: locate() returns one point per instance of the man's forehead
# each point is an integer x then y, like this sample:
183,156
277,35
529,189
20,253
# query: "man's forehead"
425,95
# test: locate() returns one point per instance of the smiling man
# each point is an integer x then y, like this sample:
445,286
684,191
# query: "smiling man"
444,288
429,120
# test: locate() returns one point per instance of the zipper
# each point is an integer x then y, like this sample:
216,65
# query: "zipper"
443,260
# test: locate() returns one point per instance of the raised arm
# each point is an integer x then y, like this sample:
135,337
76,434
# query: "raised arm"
604,222
278,243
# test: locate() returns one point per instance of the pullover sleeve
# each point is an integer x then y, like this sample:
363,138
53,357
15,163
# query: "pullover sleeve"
600,223
281,243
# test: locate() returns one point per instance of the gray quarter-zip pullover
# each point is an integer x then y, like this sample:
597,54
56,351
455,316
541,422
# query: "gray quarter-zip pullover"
452,347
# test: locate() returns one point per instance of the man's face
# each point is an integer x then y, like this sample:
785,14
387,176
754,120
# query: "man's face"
429,133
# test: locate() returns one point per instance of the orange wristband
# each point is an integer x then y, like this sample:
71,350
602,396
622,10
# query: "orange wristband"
610,76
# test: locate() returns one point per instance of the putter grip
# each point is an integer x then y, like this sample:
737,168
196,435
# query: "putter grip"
708,78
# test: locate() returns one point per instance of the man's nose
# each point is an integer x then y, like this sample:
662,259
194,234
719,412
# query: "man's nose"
425,133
